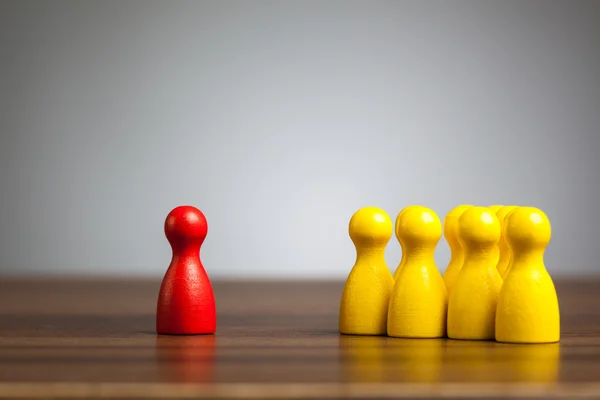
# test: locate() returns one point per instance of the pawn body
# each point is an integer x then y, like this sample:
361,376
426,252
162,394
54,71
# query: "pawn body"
186,304
418,303
402,245
457,252
473,300
364,303
503,247
528,309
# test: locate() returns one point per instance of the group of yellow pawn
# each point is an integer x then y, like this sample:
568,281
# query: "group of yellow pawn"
495,287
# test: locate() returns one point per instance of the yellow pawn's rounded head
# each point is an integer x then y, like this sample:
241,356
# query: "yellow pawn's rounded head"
495,207
398,217
527,228
418,225
478,226
451,221
370,225
503,212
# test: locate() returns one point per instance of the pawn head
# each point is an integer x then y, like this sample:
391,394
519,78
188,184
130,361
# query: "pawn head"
370,225
405,209
527,228
479,226
418,225
501,214
495,207
186,225
451,222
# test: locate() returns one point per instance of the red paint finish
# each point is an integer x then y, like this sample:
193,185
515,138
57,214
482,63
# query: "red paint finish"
186,303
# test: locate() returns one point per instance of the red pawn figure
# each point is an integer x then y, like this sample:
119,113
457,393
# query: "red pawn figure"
186,303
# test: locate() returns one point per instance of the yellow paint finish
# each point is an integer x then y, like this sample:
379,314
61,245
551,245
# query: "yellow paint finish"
418,303
457,253
474,297
504,248
511,257
494,208
402,246
528,310
365,299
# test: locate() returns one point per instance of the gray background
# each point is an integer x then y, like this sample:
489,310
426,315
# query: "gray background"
280,119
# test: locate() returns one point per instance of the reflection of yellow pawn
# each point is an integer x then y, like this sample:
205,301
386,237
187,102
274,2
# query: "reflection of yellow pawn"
477,363
364,304
528,309
402,246
418,302
473,300
505,255
363,359
414,360
531,364
457,252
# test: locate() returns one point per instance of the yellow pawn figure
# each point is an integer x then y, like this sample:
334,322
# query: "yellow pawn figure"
528,310
418,303
457,252
474,297
402,246
365,299
504,248
510,261
494,208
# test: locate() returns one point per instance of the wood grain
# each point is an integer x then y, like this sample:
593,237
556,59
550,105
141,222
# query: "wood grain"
96,339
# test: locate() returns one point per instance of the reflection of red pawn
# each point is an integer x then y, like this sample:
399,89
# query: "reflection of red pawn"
186,304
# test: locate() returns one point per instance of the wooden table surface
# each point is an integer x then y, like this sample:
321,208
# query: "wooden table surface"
92,339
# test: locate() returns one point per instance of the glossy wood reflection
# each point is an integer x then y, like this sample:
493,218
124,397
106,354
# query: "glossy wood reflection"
87,339
186,359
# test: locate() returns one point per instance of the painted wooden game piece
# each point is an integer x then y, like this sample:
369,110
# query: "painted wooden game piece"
418,303
364,303
528,309
186,304
503,247
473,300
457,252
509,264
403,258
494,208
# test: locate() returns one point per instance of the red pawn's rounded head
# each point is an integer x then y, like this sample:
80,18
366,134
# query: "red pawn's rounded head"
185,226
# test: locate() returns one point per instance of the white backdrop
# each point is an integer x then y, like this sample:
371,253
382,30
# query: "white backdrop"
280,119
